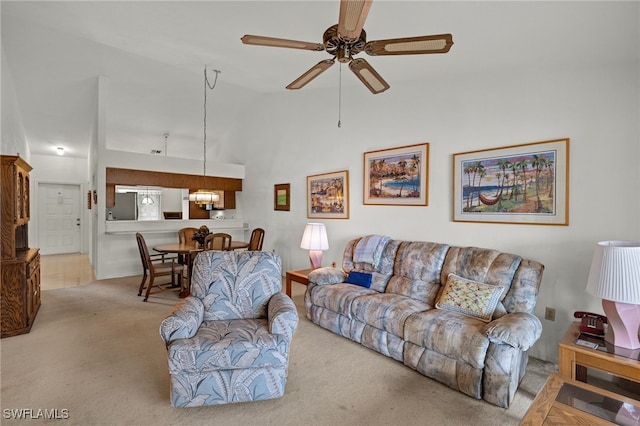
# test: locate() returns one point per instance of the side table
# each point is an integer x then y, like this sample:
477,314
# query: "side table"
573,360
300,276
564,401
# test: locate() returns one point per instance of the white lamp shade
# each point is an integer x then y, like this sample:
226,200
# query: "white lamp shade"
204,197
314,237
615,272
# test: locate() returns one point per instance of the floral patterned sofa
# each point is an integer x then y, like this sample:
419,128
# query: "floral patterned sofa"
229,340
460,315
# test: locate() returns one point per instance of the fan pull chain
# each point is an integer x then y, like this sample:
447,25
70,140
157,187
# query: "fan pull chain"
340,96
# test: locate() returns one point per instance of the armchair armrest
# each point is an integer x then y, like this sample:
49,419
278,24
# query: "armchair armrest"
327,275
519,330
161,257
184,321
282,315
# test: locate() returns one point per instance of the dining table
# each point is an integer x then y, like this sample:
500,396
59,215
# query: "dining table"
188,251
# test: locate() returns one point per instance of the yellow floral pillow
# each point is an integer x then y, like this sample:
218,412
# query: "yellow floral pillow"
471,298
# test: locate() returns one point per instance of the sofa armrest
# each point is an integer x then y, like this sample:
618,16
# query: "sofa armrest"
327,275
184,320
519,330
282,315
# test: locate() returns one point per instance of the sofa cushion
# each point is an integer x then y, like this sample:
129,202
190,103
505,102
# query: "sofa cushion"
483,265
522,297
326,275
369,249
228,344
416,272
386,311
448,333
468,297
359,278
337,297
380,273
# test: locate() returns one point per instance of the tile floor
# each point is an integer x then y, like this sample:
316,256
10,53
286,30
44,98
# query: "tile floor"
65,270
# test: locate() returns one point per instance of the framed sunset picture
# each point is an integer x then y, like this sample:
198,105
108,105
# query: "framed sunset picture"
397,176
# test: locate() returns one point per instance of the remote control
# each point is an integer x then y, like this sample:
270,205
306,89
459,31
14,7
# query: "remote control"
586,344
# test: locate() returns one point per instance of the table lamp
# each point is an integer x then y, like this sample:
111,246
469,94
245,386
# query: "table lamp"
615,277
314,239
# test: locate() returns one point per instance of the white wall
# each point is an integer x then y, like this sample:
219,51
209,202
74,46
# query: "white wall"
14,140
597,108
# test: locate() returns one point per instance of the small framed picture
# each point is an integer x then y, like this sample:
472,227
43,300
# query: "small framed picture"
282,197
328,195
397,176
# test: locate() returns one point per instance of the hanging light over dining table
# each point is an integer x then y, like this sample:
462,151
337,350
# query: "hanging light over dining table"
205,196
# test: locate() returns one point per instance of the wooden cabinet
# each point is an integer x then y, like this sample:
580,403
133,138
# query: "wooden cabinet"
20,287
20,293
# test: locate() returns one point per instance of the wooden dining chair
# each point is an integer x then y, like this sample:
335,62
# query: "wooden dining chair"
257,237
185,236
218,241
156,265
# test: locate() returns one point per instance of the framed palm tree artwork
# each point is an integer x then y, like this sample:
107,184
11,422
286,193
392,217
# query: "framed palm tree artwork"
397,176
518,184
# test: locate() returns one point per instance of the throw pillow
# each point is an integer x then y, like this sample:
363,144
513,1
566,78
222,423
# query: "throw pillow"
359,278
468,297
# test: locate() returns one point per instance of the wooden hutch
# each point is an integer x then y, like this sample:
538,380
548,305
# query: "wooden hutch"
20,288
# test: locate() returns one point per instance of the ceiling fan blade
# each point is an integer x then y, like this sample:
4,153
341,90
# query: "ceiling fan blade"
440,43
353,13
280,42
315,71
368,76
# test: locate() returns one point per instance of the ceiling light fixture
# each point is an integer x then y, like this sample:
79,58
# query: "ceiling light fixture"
204,196
60,150
147,199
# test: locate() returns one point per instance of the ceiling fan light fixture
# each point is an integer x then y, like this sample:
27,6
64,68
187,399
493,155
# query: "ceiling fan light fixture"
348,38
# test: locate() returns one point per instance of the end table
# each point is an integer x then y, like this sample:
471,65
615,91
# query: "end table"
300,276
574,359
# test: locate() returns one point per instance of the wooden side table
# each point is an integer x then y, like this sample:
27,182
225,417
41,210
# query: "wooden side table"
563,402
573,360
300,276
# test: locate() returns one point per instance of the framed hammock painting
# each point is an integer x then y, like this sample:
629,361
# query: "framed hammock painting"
518,184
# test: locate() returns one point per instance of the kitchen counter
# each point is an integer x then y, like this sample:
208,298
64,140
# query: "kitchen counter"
172,226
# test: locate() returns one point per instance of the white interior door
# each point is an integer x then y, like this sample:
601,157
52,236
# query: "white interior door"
58,218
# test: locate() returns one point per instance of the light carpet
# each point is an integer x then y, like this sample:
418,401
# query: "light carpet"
94,355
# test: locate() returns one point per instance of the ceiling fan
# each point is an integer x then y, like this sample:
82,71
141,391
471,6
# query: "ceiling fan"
348,38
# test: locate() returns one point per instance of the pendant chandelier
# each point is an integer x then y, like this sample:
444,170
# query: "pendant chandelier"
147,199
205,196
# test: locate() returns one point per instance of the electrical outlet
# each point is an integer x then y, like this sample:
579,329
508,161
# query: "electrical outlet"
550,314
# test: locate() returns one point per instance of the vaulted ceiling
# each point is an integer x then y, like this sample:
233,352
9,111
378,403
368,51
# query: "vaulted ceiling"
152,55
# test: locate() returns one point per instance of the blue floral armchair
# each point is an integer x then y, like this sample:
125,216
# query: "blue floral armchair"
229,340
